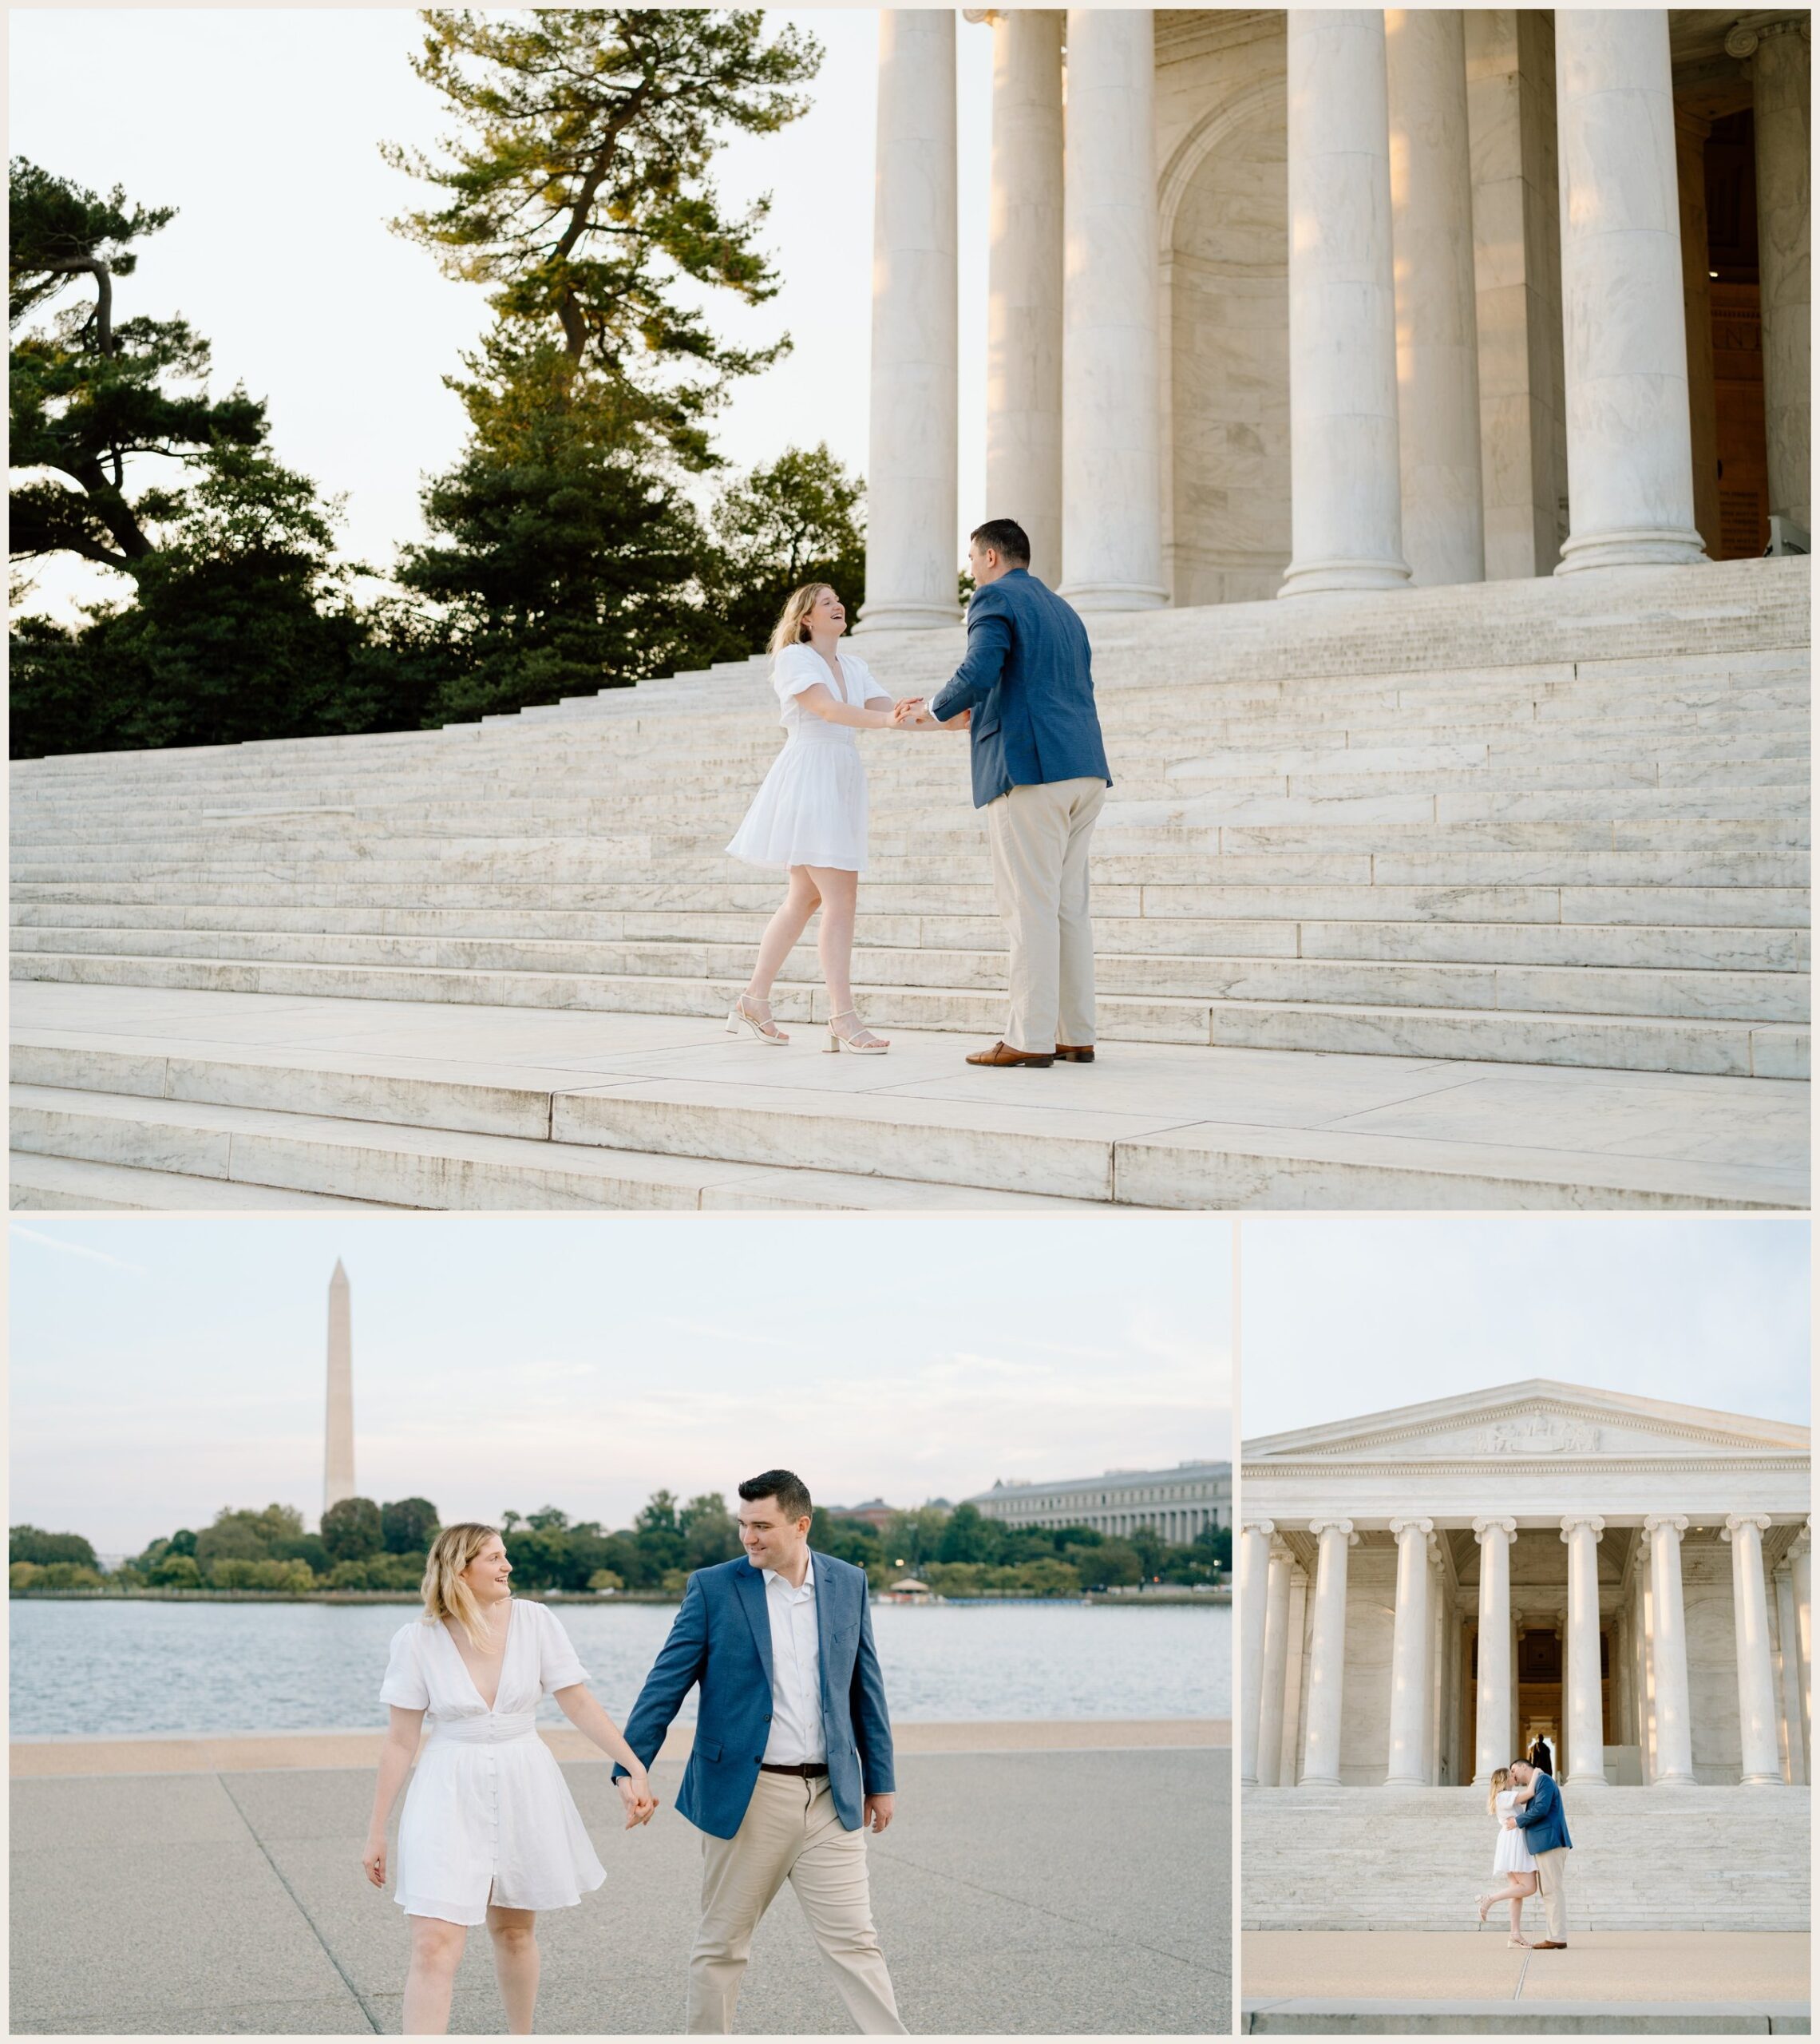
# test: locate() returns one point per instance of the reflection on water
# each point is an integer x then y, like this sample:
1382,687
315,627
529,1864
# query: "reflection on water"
120,1667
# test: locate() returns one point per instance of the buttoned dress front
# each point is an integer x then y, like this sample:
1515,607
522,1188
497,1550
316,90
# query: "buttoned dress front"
811,810
488,1815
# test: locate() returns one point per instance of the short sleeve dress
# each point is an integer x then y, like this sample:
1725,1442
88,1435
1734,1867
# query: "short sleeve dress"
812,808
488,1815
1513,1855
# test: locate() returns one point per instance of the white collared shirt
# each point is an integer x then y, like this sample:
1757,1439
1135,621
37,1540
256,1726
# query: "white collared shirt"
797,1735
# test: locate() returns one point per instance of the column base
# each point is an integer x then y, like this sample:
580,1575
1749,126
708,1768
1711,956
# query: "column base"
1114,596
1579,1784
1635,546
1339,577
888,616
1319,1781
1762,1782
1674,1781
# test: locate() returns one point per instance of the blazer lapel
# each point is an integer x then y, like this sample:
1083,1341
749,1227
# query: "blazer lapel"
824,1629
751,1582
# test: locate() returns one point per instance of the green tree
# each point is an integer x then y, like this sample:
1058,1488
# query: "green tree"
247,1535
853,1540
911,1539
578,188
90,394
32,1543
794,521
409,1525
307,1548
710,1533
658,1537
351,1530
1113,1565
174,1571
964,1537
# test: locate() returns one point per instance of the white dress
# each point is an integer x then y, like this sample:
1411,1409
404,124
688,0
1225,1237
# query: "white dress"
812,808
1512,1856
487,1813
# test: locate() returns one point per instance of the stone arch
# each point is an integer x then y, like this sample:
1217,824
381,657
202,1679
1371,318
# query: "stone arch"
1223,216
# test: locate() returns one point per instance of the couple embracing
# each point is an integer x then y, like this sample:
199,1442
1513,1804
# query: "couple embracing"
1025,693
1533,1846
790,1768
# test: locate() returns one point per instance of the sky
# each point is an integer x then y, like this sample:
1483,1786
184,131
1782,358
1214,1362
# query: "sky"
1345,1317
263,127
164,1366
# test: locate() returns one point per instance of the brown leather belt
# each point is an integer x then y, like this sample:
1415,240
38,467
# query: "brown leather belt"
808,1770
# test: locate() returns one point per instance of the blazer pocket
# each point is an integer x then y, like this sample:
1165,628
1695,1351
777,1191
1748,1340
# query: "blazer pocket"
707,1749
987,727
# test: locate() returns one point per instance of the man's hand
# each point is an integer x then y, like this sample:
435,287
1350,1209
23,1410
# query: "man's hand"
878,1811
1509,1824
908,712
641,1805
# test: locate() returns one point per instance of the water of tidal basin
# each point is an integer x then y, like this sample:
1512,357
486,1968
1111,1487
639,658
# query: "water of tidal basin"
116,1667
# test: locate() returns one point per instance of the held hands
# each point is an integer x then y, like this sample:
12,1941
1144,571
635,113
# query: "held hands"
878,1809
641,1805
909,711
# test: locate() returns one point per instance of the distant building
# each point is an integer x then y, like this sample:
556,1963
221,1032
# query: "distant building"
875,1512
1178,1502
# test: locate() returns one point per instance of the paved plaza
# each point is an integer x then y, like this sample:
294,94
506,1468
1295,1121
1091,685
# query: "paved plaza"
1039,1892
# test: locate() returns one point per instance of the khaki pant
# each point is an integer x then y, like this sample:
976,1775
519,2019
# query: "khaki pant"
1039,835
1551,1883
791,1831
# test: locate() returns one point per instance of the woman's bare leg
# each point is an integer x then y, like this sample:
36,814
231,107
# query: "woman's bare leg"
435,1952
839,892
1522,1886
515,1961
782,933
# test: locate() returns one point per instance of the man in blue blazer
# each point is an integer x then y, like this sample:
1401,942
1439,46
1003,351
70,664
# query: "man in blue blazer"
792,1761
1026,692
1544,1818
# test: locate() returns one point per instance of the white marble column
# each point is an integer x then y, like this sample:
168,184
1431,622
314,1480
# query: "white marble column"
1431,213
1649,1680
912,563
1585,1726
1275,1666
1629,447
1327,1657
1801,1577
1692,131
1780,55
1496,1689
1750,1618
1674,1730
1409,1655
1788,1671
1023,281
1254,1567
1289,1764
1345,489
1435,1735
1112,486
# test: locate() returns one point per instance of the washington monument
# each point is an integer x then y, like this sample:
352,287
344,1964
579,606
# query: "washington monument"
338,1432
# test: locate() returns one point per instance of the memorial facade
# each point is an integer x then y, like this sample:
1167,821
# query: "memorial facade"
1567,252
1177,1503
1426,1591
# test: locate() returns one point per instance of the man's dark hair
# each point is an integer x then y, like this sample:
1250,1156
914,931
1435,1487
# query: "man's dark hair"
791,1492
1006,538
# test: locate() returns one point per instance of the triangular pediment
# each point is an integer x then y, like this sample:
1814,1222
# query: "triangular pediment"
1538,1420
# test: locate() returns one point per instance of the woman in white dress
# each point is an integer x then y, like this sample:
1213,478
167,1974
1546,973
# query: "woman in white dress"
490,1833
810,817
1513,1859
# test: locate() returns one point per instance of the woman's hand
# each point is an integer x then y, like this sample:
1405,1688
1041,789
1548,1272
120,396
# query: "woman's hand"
907,712
635,1792
374,1860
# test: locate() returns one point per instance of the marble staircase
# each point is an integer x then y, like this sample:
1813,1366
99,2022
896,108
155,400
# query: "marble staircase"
1555,823
1702,1859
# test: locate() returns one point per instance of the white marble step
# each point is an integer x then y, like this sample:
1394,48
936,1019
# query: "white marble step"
46,1184
1710,993
1741,1049
375,1163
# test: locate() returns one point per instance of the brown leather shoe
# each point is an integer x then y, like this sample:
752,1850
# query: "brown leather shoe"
1073,1053
1548,1944
1002,1053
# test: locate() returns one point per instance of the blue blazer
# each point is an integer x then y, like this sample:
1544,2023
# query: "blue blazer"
1544,1816
722,1640
1028,678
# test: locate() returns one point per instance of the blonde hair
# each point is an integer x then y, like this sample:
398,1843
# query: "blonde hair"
793,624
447,1594
1500,1782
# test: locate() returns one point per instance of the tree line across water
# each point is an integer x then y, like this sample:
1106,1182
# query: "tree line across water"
566,550
956,1550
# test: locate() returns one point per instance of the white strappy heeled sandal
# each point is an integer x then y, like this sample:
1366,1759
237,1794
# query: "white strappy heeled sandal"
837,1043
740,1019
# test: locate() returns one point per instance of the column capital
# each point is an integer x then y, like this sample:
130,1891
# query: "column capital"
1571,1523
1400,1527
1320,1527
1741,41
1734,1520
1484,1528
977,15
1266,1526
1280,1553
1675,1521
1802,1544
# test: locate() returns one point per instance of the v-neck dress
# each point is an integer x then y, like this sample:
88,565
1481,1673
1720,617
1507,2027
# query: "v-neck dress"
488,1815
811,810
